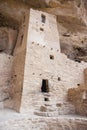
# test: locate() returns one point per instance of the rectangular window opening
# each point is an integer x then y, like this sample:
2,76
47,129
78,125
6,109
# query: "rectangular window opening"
51,57
43,18
46,99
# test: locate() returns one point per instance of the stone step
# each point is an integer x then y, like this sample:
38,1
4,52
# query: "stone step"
55,109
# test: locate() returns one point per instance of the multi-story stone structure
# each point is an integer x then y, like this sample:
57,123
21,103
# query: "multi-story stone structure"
41,75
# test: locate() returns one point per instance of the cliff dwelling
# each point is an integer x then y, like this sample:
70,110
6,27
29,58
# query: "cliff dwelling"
38,69
38,82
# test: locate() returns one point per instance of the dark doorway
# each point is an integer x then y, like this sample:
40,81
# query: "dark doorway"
45,86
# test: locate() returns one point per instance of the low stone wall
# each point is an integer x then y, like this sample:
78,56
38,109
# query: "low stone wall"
78,97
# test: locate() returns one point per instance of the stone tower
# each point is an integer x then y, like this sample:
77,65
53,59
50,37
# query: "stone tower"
42,43
42,74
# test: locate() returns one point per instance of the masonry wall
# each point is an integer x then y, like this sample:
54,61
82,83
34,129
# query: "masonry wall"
61,72
7,43
78,97
5,78
18,64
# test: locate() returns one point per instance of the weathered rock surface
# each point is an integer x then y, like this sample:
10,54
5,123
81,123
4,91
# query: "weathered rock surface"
72,25
71,17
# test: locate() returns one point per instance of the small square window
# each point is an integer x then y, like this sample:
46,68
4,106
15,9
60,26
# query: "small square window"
51,57
59,79
41,29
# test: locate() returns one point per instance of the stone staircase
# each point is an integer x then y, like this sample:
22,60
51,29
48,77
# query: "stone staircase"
50,109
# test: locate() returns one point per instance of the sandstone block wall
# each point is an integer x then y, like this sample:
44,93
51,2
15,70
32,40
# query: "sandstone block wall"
6,62
7,43
42,29
18,65
78,97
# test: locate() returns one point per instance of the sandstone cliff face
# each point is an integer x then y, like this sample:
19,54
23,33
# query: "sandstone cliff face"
72,26
71,17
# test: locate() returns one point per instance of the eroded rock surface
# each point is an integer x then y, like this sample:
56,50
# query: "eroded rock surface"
20,88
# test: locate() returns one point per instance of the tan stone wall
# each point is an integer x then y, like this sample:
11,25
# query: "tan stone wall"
7,44
18,65
44,33
38,66
6,63
78,97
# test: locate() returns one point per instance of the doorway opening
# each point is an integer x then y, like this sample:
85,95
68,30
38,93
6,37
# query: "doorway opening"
45,86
